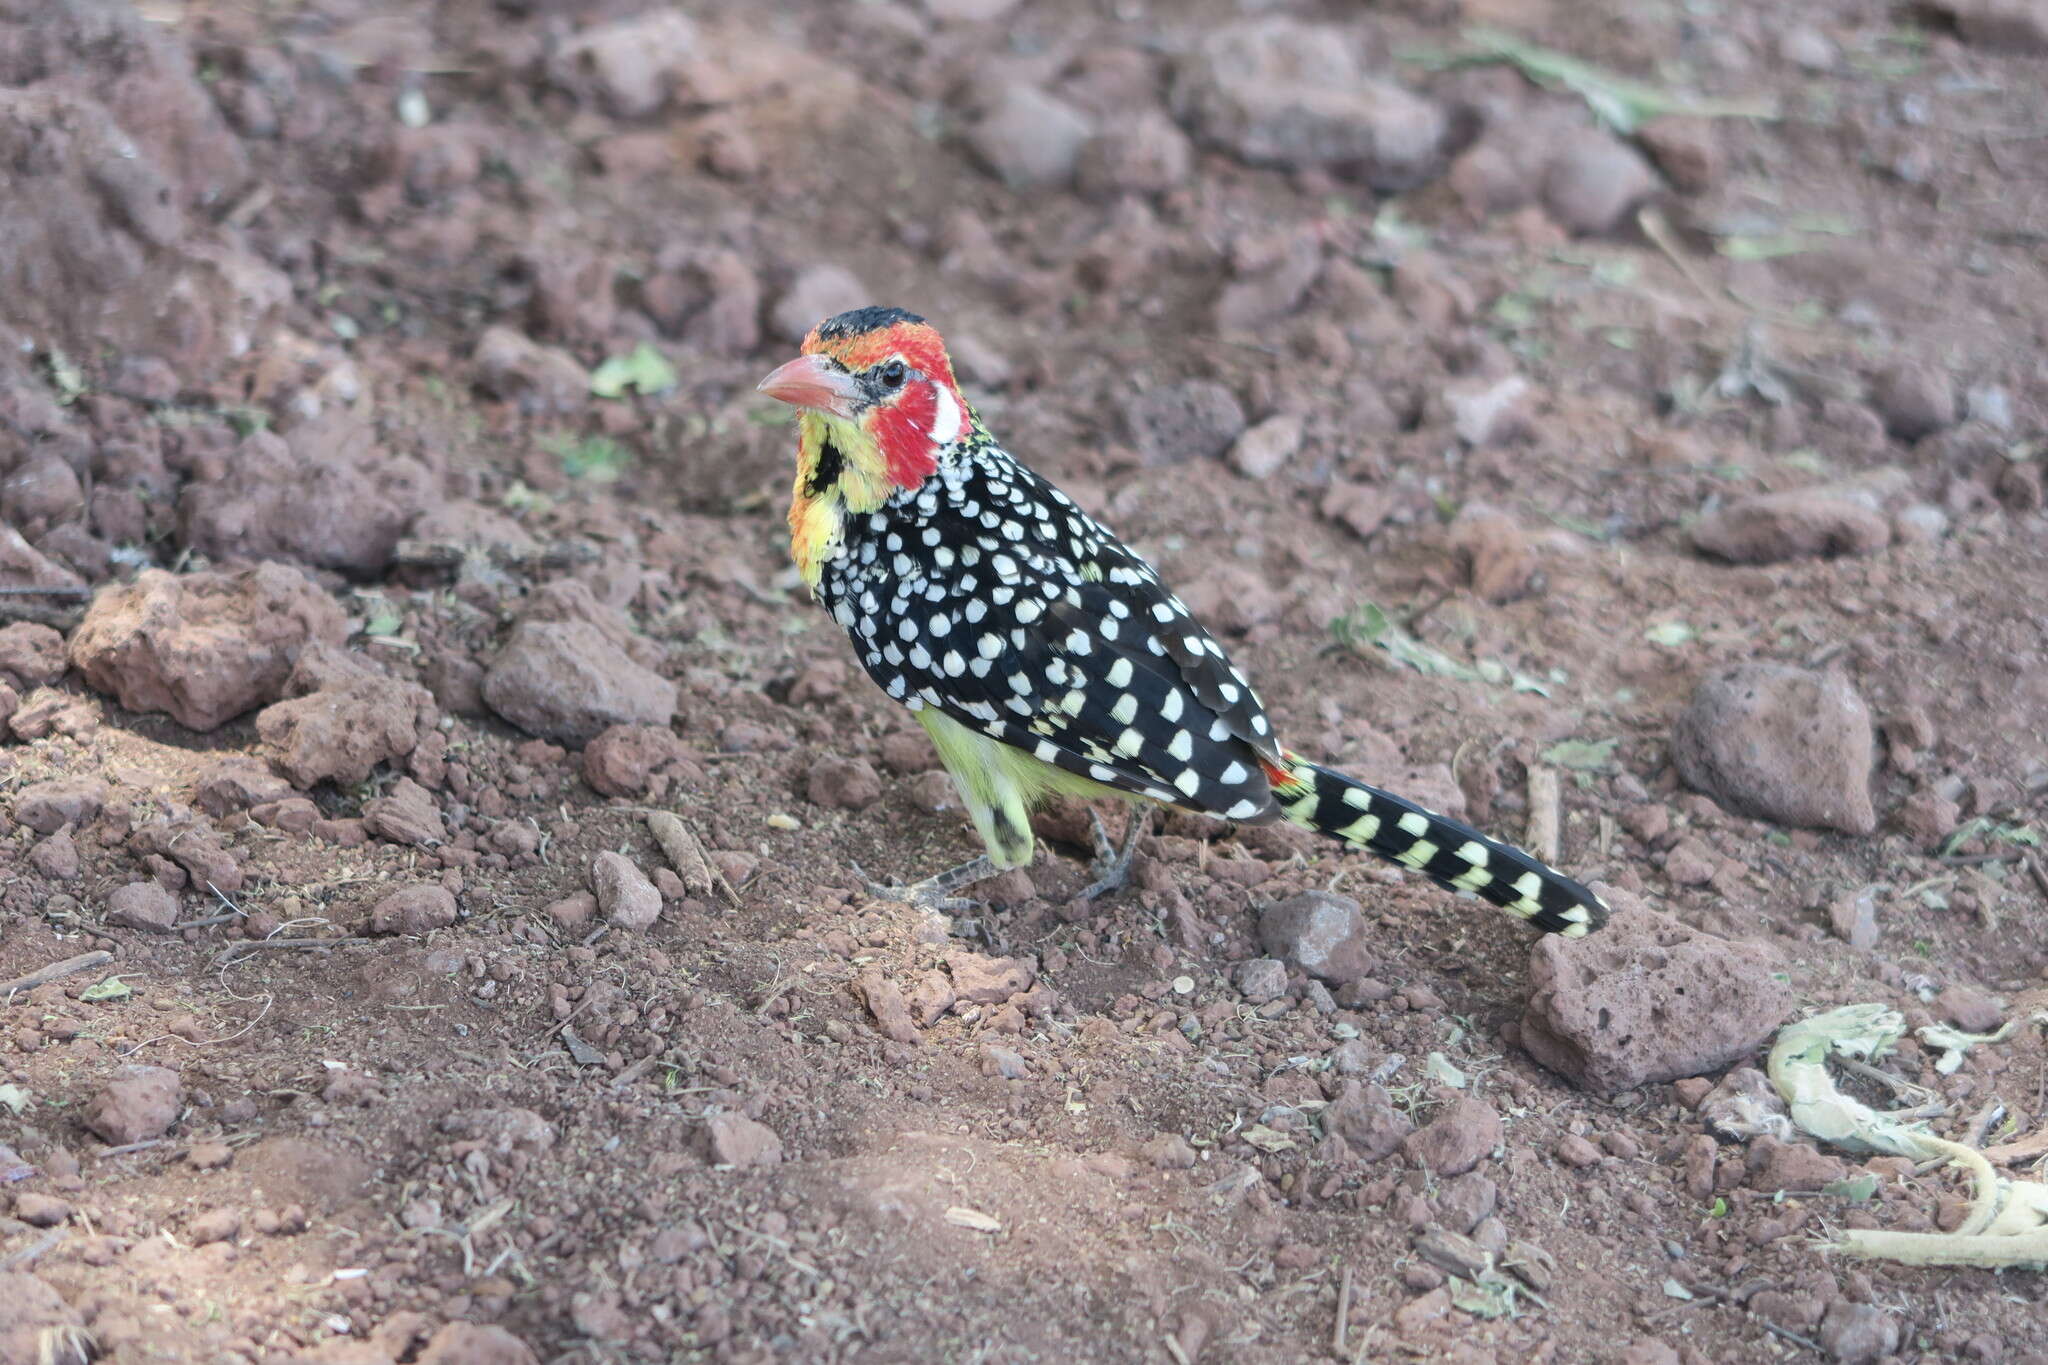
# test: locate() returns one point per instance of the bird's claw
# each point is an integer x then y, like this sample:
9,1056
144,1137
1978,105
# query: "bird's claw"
932,895
1112,865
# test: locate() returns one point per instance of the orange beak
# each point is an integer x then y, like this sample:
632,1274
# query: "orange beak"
811,381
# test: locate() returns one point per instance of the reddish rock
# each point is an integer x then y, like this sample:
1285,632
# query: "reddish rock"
989,980
139,1103
885,1002
573,913
1927,818
1861,1333
1915,399
1499,557
1802,524
1595,180
1145,153
1780,743
518,369
470,1343
1261,979
738,1141
1798,1167
565,681
1194,420
844,784
237,784
1648,999
1279,92
930,998
1576,1152
1457,1139
1970,1009
1365,1117
340,734
327,493
1029,139
623,892
406,814
203,647
192,845
636,761
31,655
40,1210
142,905
1261,451
1321,933
47,807
1686,149
413,910
215,1225
55,856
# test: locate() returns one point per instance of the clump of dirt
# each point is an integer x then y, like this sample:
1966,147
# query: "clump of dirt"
430,811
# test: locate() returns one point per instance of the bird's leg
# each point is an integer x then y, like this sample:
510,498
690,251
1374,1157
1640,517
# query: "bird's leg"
934,893
1112,865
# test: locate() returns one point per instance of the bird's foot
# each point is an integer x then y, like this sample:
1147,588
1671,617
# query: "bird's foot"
1112,865
934,895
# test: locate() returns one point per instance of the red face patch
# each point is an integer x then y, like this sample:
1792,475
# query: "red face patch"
902,430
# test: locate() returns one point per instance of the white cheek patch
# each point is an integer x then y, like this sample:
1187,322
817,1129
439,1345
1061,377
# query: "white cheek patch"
946,419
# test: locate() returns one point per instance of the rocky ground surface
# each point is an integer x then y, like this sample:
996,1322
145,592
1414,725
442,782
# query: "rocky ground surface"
410,718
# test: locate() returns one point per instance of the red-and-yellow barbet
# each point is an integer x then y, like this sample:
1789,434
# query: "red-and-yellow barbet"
1044,656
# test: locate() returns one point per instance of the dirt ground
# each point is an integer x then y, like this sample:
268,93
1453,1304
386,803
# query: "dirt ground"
389,528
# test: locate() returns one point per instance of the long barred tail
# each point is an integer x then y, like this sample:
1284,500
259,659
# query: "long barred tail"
1454,856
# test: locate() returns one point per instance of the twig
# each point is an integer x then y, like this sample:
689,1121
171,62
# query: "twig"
208,922
29,1255
1175,1349
230,953
44,975
142,1146
1545,818
49,590
1343,1313
1808,1342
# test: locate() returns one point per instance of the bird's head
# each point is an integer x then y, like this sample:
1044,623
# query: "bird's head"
878,405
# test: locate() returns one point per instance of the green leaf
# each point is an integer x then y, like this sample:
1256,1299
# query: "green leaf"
1489,1296
599,459
1670,634
1719,1208
1268,1139
1622,104
1580,755
65,374
1439,1069
1857,1190
113,988
644,370
384,618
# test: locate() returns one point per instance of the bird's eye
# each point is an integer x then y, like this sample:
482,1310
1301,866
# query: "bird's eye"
892,374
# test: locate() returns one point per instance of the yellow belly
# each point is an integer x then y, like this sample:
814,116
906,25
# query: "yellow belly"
1001,784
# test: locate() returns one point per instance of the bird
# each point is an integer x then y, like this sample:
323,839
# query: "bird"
1042,655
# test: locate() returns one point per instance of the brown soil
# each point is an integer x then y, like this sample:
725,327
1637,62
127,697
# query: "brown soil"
323,285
